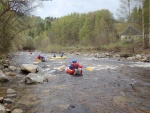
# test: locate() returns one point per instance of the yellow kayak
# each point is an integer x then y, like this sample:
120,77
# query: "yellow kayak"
38,60
90,68
54,58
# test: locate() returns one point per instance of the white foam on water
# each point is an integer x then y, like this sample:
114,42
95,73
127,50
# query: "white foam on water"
104,67
35,62
90,58
47,69
141,64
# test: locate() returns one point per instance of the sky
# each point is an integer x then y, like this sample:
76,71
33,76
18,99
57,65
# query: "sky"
60,8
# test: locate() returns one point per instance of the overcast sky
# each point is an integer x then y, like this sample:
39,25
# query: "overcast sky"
59,8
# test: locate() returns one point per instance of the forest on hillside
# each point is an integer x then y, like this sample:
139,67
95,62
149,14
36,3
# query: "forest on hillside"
99,29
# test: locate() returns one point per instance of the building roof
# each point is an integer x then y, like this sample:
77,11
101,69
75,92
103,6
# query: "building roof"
130,30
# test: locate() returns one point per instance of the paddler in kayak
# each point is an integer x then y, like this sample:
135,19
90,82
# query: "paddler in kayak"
54,55
74,65
41,58
62,54
74,68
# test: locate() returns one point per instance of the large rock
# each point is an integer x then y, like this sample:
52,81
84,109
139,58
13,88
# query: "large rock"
8,101
29,68
33,78
1,66
12,68
131,58
10,91
138,57
148,58
17,111
2,109
3,78
102,55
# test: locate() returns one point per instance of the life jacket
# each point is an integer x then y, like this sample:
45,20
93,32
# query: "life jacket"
39,57
42,58
75,65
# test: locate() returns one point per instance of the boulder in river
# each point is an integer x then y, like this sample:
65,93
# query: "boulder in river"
3,78
29,68
17,111
33,78
2,109
12,68
148,58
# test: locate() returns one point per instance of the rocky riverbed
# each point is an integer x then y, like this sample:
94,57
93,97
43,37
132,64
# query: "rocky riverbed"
112,85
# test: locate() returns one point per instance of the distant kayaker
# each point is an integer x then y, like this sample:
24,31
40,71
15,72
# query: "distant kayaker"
54,55
62,54
42,58
39,57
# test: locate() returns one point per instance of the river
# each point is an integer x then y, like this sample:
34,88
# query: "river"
111,86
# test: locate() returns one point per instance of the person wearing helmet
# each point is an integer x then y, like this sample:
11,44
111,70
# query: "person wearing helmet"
42,58
39,57
62,54
54,55
74,65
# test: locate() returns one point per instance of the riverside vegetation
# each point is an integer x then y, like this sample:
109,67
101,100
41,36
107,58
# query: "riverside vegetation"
98,30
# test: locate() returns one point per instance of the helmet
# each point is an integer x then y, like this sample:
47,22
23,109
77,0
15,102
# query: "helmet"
75,61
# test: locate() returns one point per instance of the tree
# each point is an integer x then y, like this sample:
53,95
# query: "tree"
103,26
13,14
146,23
126,8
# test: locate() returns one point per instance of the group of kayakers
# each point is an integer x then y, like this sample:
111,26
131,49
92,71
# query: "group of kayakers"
42,58
62,54
73,66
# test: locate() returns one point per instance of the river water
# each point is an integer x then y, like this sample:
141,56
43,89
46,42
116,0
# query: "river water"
111,86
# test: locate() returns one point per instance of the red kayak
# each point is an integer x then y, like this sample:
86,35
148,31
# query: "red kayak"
74,72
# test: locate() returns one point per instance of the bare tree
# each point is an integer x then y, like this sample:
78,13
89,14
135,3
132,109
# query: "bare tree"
124,9
13,14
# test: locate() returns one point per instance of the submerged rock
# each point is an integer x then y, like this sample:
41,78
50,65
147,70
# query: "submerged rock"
12,68
8,101
2,109
3,78
33,78
10,91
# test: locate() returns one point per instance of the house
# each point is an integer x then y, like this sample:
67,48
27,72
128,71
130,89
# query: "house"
131,33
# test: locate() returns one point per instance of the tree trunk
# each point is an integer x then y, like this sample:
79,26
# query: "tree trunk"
144,44
149,23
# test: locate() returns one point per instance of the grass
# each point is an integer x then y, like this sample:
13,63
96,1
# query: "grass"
117,47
